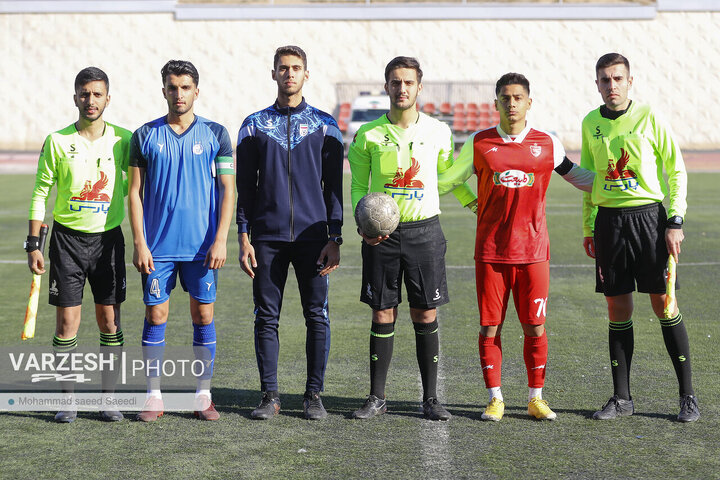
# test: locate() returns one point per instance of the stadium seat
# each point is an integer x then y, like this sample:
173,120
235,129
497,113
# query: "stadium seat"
429,108
458,124
472,107
445,108
473,124
458,108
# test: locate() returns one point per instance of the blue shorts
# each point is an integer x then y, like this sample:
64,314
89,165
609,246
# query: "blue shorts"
196,279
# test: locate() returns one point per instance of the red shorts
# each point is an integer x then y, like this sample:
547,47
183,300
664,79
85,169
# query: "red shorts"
529,284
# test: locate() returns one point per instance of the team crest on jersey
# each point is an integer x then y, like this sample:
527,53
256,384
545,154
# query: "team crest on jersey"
514,179
197,148
304,129
404,184
536,150
619,177
92,197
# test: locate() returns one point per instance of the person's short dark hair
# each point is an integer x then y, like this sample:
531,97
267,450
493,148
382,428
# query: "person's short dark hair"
403,62
91,74
512,79
180,67
610,59
290,50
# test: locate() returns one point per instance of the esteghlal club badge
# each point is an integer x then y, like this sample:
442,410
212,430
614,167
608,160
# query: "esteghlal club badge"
536,150
198,148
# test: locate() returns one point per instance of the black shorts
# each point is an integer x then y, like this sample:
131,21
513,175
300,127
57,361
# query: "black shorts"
75,256
416,250
630,247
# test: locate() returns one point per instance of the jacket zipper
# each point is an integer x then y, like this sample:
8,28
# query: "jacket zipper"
289,172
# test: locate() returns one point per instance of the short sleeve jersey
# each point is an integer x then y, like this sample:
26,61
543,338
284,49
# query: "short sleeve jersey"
403,163
629,155
91,179
513,175
180,197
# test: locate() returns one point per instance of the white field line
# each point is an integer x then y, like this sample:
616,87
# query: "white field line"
435,435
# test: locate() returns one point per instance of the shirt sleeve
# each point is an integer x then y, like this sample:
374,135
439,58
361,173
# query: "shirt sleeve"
136,157
669,152
589,211
224,160
459,171
333,152
359,159
44,180
445,160
247,175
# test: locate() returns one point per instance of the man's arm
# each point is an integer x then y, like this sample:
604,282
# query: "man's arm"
142,258
246,177
217,254
457,176
578,177
589,211
332,158
44,181
674,165
360,160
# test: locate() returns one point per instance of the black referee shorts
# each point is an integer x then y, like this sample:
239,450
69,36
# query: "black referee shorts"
75,256
630,248
414,252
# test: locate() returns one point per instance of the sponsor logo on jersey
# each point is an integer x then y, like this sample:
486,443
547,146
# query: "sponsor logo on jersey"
493,149
197,148
92,197
618,176
404,184
514,179
598,135
303,129
535,150
160,147
539,367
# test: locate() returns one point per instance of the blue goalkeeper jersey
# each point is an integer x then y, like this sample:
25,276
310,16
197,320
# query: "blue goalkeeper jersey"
180,196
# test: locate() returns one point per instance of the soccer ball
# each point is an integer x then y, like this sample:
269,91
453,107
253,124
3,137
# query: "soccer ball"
377,215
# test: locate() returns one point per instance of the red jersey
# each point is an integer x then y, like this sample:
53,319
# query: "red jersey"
513,175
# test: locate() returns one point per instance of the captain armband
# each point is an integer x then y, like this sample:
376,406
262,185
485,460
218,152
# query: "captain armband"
578,177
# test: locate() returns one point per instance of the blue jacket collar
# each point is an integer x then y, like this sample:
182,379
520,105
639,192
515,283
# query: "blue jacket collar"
290,110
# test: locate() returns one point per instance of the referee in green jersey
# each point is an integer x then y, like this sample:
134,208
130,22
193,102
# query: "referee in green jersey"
401,154
87,161
628,231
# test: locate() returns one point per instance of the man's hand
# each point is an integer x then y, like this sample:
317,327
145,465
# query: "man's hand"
589,245
142,259
673,239
216,256
247,255
329,258
372,241
473,206
36,262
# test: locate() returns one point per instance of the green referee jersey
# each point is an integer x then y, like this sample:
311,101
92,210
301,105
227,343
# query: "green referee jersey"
91,179
404,163
629,155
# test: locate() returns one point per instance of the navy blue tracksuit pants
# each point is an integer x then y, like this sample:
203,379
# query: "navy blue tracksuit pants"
273,260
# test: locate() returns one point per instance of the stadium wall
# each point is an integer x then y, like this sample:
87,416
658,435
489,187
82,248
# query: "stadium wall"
675,60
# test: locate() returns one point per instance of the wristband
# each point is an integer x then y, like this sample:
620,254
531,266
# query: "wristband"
32,243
